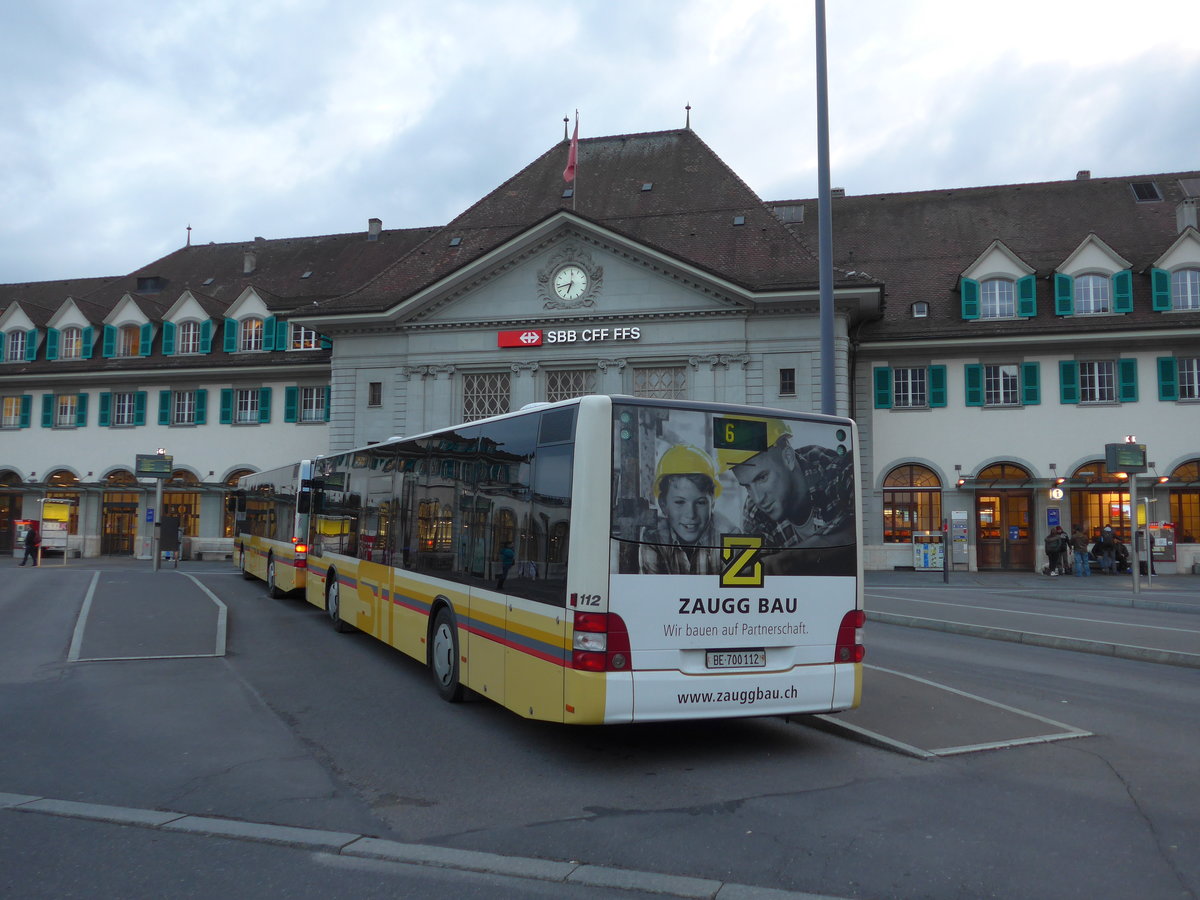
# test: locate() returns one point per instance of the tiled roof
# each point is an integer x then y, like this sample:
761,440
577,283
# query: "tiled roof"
918,244
688,212
41,299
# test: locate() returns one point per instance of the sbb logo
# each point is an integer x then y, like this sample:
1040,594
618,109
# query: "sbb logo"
530,337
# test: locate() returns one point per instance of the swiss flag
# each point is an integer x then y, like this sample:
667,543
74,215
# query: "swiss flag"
569,171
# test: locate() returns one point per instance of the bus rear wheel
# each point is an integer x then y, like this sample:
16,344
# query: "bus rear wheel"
272,589
443,656
246,575
333,603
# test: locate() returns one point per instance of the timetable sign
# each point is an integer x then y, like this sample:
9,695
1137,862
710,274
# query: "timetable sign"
151,465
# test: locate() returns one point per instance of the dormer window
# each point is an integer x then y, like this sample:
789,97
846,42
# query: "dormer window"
304,338
187,337
129,341
997,299
1185,289
920,309
1092,294
250,334
15,351
70,344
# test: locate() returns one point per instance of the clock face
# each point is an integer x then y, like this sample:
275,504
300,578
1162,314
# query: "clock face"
570,282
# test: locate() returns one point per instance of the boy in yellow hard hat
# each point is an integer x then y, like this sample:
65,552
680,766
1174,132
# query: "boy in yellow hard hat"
686,539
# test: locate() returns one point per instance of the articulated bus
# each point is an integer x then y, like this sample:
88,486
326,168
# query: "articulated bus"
598,560
272,516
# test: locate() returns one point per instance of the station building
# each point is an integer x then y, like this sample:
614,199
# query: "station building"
990,341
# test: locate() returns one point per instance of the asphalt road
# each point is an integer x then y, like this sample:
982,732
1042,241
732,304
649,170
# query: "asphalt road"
262,717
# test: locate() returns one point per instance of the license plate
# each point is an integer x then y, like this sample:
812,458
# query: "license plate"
735,659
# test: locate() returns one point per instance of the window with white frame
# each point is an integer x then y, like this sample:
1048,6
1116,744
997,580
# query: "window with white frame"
304,338
245,409
250,334
486,394
10,412
1097,382
64,410
660,382
187,337
1001,385
129,340
70,343
1189,378
563,384
1093,294
1185,289
124,408
997,299
16,346
312,404
183,407
910,389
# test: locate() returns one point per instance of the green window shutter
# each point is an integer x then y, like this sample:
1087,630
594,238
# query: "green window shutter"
1168,378
226,406
282,332
26,409
883,387
1064,295
1127,390
164,407
231,335
168,341
105,409
51,343
1031,384
264,405
31,344
89,341
146,339
47,410
1027,297
3,343
328,398
268,342
973,379
139,408
1068,381
201,406
326,343
206,330
937,386
291,398
1122,291
969,289
1160,289
81,410
109,348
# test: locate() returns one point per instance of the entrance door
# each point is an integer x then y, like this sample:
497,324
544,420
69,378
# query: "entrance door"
1005,539
9,504
119,523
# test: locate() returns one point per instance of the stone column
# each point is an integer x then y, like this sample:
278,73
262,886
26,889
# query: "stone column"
610,376
524,385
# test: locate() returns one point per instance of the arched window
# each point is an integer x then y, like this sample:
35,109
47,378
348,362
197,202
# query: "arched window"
912,501
1185,502
997,299
1099,499
1185,289
129,340
70,343
250,334
187,337
120,477
1092,294
229,523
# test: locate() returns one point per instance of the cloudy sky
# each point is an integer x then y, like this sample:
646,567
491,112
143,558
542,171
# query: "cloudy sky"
121,123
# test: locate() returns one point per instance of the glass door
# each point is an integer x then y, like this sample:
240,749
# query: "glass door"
1004,533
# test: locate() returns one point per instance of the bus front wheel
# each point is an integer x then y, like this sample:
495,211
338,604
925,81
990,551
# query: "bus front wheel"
443,656
273,590
333,603
246,575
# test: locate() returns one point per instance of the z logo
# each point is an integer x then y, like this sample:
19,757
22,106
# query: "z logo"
741,566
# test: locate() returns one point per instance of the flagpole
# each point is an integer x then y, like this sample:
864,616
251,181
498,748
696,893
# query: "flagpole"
572,159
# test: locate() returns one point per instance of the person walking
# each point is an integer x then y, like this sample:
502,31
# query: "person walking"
1056,545
1108,550
1079,543
32,541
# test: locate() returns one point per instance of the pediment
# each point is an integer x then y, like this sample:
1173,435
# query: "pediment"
1185,252
997,261
126,312
186,309
248,303
1093,256
14,318
69,315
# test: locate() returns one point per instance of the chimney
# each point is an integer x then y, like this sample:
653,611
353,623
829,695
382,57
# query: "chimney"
374,226
1083,175
249,262
837,192
1185,214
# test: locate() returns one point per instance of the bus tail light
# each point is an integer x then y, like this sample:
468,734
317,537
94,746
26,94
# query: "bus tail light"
600,643
849,647
301,555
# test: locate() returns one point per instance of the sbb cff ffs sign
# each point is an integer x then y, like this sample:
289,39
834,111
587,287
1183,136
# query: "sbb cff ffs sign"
536,337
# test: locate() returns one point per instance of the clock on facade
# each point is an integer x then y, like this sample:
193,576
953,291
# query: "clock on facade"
570,282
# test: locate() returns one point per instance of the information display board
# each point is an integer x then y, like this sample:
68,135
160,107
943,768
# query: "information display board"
928,550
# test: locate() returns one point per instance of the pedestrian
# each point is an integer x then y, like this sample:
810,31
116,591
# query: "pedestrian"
1108,550
1079,543
1056,547
507,558
33,540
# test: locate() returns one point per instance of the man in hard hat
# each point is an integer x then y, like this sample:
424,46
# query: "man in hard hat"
797,497
686,539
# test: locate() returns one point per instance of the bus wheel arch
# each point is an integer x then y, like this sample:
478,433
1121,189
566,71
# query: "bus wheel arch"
273,590
333,602
247,575
443,652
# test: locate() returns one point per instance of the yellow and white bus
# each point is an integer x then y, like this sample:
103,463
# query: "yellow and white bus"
605,559
272,516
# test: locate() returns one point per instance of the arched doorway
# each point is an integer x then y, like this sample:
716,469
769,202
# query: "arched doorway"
119,513
10,507
229,522
912,501
1099,498
181,500
1004,519
1184,487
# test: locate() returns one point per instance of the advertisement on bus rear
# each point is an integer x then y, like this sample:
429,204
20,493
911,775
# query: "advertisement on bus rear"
747,522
